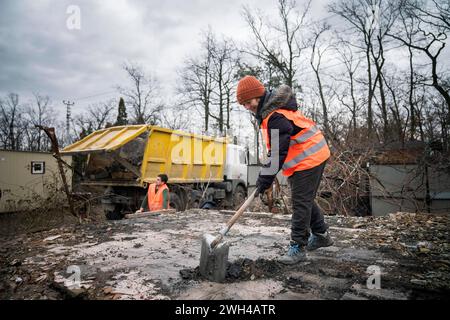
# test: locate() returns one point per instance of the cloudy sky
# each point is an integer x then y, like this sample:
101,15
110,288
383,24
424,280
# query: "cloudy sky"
39,53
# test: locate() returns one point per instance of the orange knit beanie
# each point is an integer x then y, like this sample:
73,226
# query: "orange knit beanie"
248,88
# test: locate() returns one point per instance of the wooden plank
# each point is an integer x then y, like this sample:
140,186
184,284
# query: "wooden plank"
150,213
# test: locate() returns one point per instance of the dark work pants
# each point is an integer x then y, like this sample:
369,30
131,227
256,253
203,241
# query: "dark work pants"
306,214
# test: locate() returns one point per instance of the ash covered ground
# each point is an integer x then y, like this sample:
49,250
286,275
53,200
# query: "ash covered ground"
157,258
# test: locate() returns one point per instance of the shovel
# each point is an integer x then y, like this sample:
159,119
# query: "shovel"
214,255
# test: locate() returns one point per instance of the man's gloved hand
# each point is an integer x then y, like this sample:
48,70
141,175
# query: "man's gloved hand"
262,185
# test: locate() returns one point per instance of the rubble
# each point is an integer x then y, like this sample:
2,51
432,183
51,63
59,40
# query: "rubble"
158,258
52,238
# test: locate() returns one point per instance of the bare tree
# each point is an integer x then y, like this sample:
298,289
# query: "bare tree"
38,113
429,38
11,121
316,59
348,98
98,116
196,85
279,45
360,14
399,121
355,13
225,68
101,114
387,15
438,15
173,119
408,25
142,95
208,81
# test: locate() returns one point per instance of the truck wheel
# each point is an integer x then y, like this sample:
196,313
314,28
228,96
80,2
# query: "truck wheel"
116,214
239,196
176,202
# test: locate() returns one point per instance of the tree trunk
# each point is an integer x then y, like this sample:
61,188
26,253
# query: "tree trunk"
228,109
411,96
383,108
220,80
206,116
436,84
324,105
354,105
370,96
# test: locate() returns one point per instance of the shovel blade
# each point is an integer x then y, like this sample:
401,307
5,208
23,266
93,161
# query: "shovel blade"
213,262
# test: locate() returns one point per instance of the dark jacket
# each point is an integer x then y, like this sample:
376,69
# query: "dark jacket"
281,98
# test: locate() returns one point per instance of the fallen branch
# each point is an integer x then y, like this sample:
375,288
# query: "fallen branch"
55,148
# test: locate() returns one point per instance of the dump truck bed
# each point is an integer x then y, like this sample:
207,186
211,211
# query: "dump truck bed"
184,157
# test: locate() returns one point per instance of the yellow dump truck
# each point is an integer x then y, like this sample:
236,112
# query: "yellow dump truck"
125,159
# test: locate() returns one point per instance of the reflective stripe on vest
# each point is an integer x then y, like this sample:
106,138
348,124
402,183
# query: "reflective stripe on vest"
304,137
305,154
307,149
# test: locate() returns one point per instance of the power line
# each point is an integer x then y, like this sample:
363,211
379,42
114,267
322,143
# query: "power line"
95,95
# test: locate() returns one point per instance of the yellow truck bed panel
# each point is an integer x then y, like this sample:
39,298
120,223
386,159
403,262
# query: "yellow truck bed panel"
184,157
106,140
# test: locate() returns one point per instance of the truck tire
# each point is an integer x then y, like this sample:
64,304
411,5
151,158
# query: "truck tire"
175,202
116,214
239,196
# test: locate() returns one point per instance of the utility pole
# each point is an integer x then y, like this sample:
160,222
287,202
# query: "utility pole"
68,113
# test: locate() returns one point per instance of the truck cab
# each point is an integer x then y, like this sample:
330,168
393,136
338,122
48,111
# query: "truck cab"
235,172
236,163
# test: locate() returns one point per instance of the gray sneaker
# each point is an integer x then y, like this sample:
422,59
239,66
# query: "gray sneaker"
294,255
319,240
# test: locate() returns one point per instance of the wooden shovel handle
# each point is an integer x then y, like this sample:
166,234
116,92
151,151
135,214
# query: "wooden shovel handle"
241,210
233,219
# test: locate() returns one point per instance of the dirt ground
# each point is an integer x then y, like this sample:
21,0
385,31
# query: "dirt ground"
157,258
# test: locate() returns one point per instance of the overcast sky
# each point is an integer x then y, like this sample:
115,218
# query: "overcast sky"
38,53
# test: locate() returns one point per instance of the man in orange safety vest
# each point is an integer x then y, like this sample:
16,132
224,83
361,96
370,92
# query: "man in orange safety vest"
157,197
